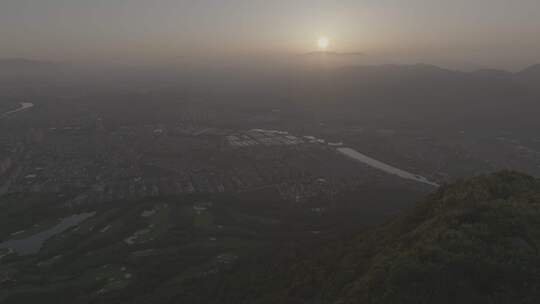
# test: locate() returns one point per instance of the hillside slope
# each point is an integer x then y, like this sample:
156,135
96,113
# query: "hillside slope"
475,241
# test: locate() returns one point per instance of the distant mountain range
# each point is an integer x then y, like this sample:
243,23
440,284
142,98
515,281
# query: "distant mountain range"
345,89
421,95
331,59
529,72
333,54
22,63
531,75
532,70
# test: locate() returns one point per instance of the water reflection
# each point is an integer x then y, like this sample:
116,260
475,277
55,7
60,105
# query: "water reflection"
32,244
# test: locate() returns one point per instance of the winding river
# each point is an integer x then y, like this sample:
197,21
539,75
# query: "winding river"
33,243
351,153
23,107
357,156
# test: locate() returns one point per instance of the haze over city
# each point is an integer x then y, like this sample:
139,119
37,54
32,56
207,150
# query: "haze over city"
269,151
478,33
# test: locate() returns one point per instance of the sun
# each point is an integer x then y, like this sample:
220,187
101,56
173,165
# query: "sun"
323,43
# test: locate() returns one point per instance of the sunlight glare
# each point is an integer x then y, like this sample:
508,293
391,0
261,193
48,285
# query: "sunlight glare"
323,43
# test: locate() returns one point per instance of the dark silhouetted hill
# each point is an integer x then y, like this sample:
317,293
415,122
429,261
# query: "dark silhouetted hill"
421,95
531,76
475,241
333,54
23,63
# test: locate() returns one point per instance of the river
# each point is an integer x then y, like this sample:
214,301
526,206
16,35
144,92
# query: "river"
351,153
33,243
23,107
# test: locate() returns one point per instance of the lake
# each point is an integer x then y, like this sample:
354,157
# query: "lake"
32,244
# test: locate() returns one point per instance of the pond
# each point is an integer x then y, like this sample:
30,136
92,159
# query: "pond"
32,244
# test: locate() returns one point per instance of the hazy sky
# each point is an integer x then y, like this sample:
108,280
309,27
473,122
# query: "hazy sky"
497,33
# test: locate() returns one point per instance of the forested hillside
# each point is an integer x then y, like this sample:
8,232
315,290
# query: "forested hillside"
475,241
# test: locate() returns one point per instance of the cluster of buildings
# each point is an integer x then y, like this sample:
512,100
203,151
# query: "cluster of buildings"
131,162
221,262
5,162
9,153
262,137
302,190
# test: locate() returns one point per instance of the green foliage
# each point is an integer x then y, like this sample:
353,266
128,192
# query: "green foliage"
475,241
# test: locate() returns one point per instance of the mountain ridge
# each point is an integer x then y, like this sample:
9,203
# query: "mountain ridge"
333,54
21,62
475,241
